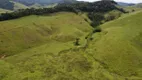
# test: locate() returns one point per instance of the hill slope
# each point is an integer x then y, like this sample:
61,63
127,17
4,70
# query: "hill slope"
125,4
62,27
35,36
31,2
4,10
19,6
119,46
42,49
139,5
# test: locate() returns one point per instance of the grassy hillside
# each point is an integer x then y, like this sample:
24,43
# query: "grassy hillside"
19,6
16,6
42,48
132,8
119,46
37,36
4,10
139,5
37,30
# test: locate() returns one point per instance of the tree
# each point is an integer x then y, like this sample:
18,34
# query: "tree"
77,42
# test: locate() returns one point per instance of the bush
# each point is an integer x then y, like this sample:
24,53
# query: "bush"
98,29
76,43
96,19
110,17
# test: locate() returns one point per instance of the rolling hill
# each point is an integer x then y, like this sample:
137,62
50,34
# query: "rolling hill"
60,44
118,47
15,37
139,5
19,6
23,4
4,10
11,5
6,4
125,4
43,2
42,48
36,35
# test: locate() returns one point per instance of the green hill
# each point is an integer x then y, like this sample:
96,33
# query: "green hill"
37,35
42,48
62,27
43,2
119,46
4,10
139,5
19,6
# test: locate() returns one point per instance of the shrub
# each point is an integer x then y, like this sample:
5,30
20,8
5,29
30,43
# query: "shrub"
98,29
96,19
76,43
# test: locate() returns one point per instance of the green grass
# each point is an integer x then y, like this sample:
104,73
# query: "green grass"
38,38
27,32
119,46
4,10
113,54
131,8
19,6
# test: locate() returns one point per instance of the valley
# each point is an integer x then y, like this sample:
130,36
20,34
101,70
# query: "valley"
71,42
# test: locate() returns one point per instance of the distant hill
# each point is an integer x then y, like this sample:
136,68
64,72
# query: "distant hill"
6,4
4,10
22,4
43,2
125,4
11,5
139,5
19,6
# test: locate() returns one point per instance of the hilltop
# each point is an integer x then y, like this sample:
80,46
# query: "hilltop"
23,4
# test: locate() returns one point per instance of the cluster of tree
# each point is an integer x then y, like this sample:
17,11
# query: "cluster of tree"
32,11
96,18
100,6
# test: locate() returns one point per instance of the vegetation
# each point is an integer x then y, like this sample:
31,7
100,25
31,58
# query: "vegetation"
96,19
76,43
38,45
32,31
118,46
74,7
4,11
113,54
18,6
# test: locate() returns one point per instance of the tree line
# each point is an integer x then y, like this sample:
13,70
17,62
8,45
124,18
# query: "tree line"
100,6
